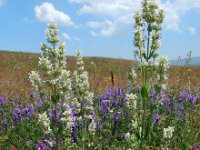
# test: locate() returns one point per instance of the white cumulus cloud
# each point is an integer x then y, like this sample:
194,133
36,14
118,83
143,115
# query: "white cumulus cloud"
77,39
66,36
1,2
47,13
116,16
192,30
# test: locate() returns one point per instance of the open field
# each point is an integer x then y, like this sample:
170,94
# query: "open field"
15,67
50,101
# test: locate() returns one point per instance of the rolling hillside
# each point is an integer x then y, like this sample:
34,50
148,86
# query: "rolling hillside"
195,61
16,66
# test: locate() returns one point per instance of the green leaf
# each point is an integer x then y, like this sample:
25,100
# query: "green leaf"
144,93
148,126
55,98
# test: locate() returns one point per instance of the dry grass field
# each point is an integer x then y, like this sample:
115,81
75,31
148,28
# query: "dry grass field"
15,67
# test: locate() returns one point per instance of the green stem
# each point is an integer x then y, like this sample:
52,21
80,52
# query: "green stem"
148,44
57,146
143,123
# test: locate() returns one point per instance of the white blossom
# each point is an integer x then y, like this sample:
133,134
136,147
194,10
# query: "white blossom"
132,100
45,63
34,77
168,132
92,127
45,121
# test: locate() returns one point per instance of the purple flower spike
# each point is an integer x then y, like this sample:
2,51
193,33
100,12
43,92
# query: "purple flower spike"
16,115
74,136
31,111
38,102
156,117
105,105
123,136
117,116
53,116
5,124
31,95
195,147
24,111
193,100
100,126
2,100
52,148
40,145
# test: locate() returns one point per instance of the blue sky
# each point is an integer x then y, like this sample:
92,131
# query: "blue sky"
97,27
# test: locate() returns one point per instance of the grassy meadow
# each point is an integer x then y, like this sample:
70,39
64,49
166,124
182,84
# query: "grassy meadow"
15,67
50,101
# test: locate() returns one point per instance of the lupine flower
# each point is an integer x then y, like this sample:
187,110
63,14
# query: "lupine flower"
16,115
138,88
74,136
69,117
169,148
24,111
107,95
195,147
40,145
31,95
156,117
53,116
5,124
105,105
117,116
100,126
52,148
168,105
119,93
123,136
38,102
2,100
187,96
31,111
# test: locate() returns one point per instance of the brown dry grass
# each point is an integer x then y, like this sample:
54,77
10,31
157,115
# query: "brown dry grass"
15,67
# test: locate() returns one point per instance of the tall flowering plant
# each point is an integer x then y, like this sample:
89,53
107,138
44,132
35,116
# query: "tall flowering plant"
82,116
148,25
52,61
56,84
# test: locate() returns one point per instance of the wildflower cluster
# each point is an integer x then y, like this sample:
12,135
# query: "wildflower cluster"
148,24
45,121
53,64
66,115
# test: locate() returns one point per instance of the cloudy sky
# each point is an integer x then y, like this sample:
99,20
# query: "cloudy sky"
97,27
